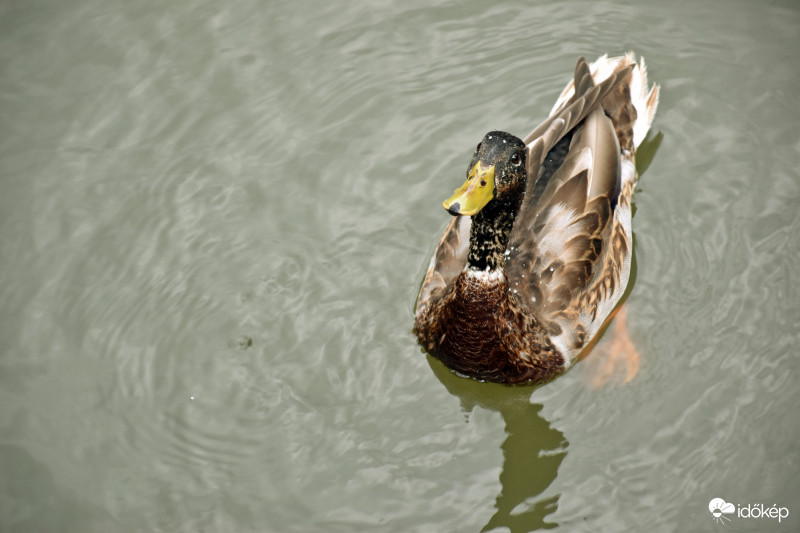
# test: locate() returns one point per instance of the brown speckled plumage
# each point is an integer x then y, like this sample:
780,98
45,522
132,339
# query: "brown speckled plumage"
476,335
515,291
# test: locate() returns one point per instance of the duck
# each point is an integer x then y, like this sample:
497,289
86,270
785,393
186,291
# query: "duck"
537,254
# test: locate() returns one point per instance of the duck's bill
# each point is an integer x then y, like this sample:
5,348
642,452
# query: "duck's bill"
476,192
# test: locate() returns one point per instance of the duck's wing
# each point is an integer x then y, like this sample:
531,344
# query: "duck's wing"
559,245
447,262
544,138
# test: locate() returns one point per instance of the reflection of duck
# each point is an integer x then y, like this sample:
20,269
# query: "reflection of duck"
539,251
532,450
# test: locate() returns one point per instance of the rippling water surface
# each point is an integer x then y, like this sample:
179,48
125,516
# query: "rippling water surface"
214,219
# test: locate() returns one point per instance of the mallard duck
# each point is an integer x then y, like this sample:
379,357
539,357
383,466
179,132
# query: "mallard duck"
538,253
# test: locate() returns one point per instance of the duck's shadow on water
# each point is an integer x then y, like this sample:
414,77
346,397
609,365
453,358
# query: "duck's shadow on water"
532,451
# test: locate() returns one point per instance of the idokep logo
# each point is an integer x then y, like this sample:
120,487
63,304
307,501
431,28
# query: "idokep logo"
719,508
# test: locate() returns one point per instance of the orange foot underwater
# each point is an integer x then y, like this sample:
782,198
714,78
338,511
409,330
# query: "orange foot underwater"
616,358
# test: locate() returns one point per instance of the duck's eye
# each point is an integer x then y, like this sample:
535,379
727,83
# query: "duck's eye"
516,160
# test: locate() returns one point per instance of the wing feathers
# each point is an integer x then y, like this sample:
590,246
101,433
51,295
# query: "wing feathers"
448,260
565,220
583,77
597,134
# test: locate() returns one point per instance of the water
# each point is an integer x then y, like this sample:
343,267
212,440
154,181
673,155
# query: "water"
214,219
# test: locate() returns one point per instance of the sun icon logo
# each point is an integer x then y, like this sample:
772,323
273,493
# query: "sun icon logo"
719,508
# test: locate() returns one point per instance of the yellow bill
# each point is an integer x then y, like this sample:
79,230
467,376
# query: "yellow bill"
476,192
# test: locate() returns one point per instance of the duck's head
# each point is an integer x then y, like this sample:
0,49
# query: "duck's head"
496,175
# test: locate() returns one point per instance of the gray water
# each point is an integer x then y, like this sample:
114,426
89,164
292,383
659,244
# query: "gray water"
214,219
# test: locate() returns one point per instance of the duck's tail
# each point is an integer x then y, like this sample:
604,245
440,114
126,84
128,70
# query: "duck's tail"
632,127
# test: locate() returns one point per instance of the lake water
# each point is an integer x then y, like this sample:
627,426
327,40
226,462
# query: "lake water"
214,219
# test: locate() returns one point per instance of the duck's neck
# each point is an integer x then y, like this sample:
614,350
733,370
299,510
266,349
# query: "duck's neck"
488,236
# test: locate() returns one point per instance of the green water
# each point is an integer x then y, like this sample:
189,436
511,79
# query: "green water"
214,219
